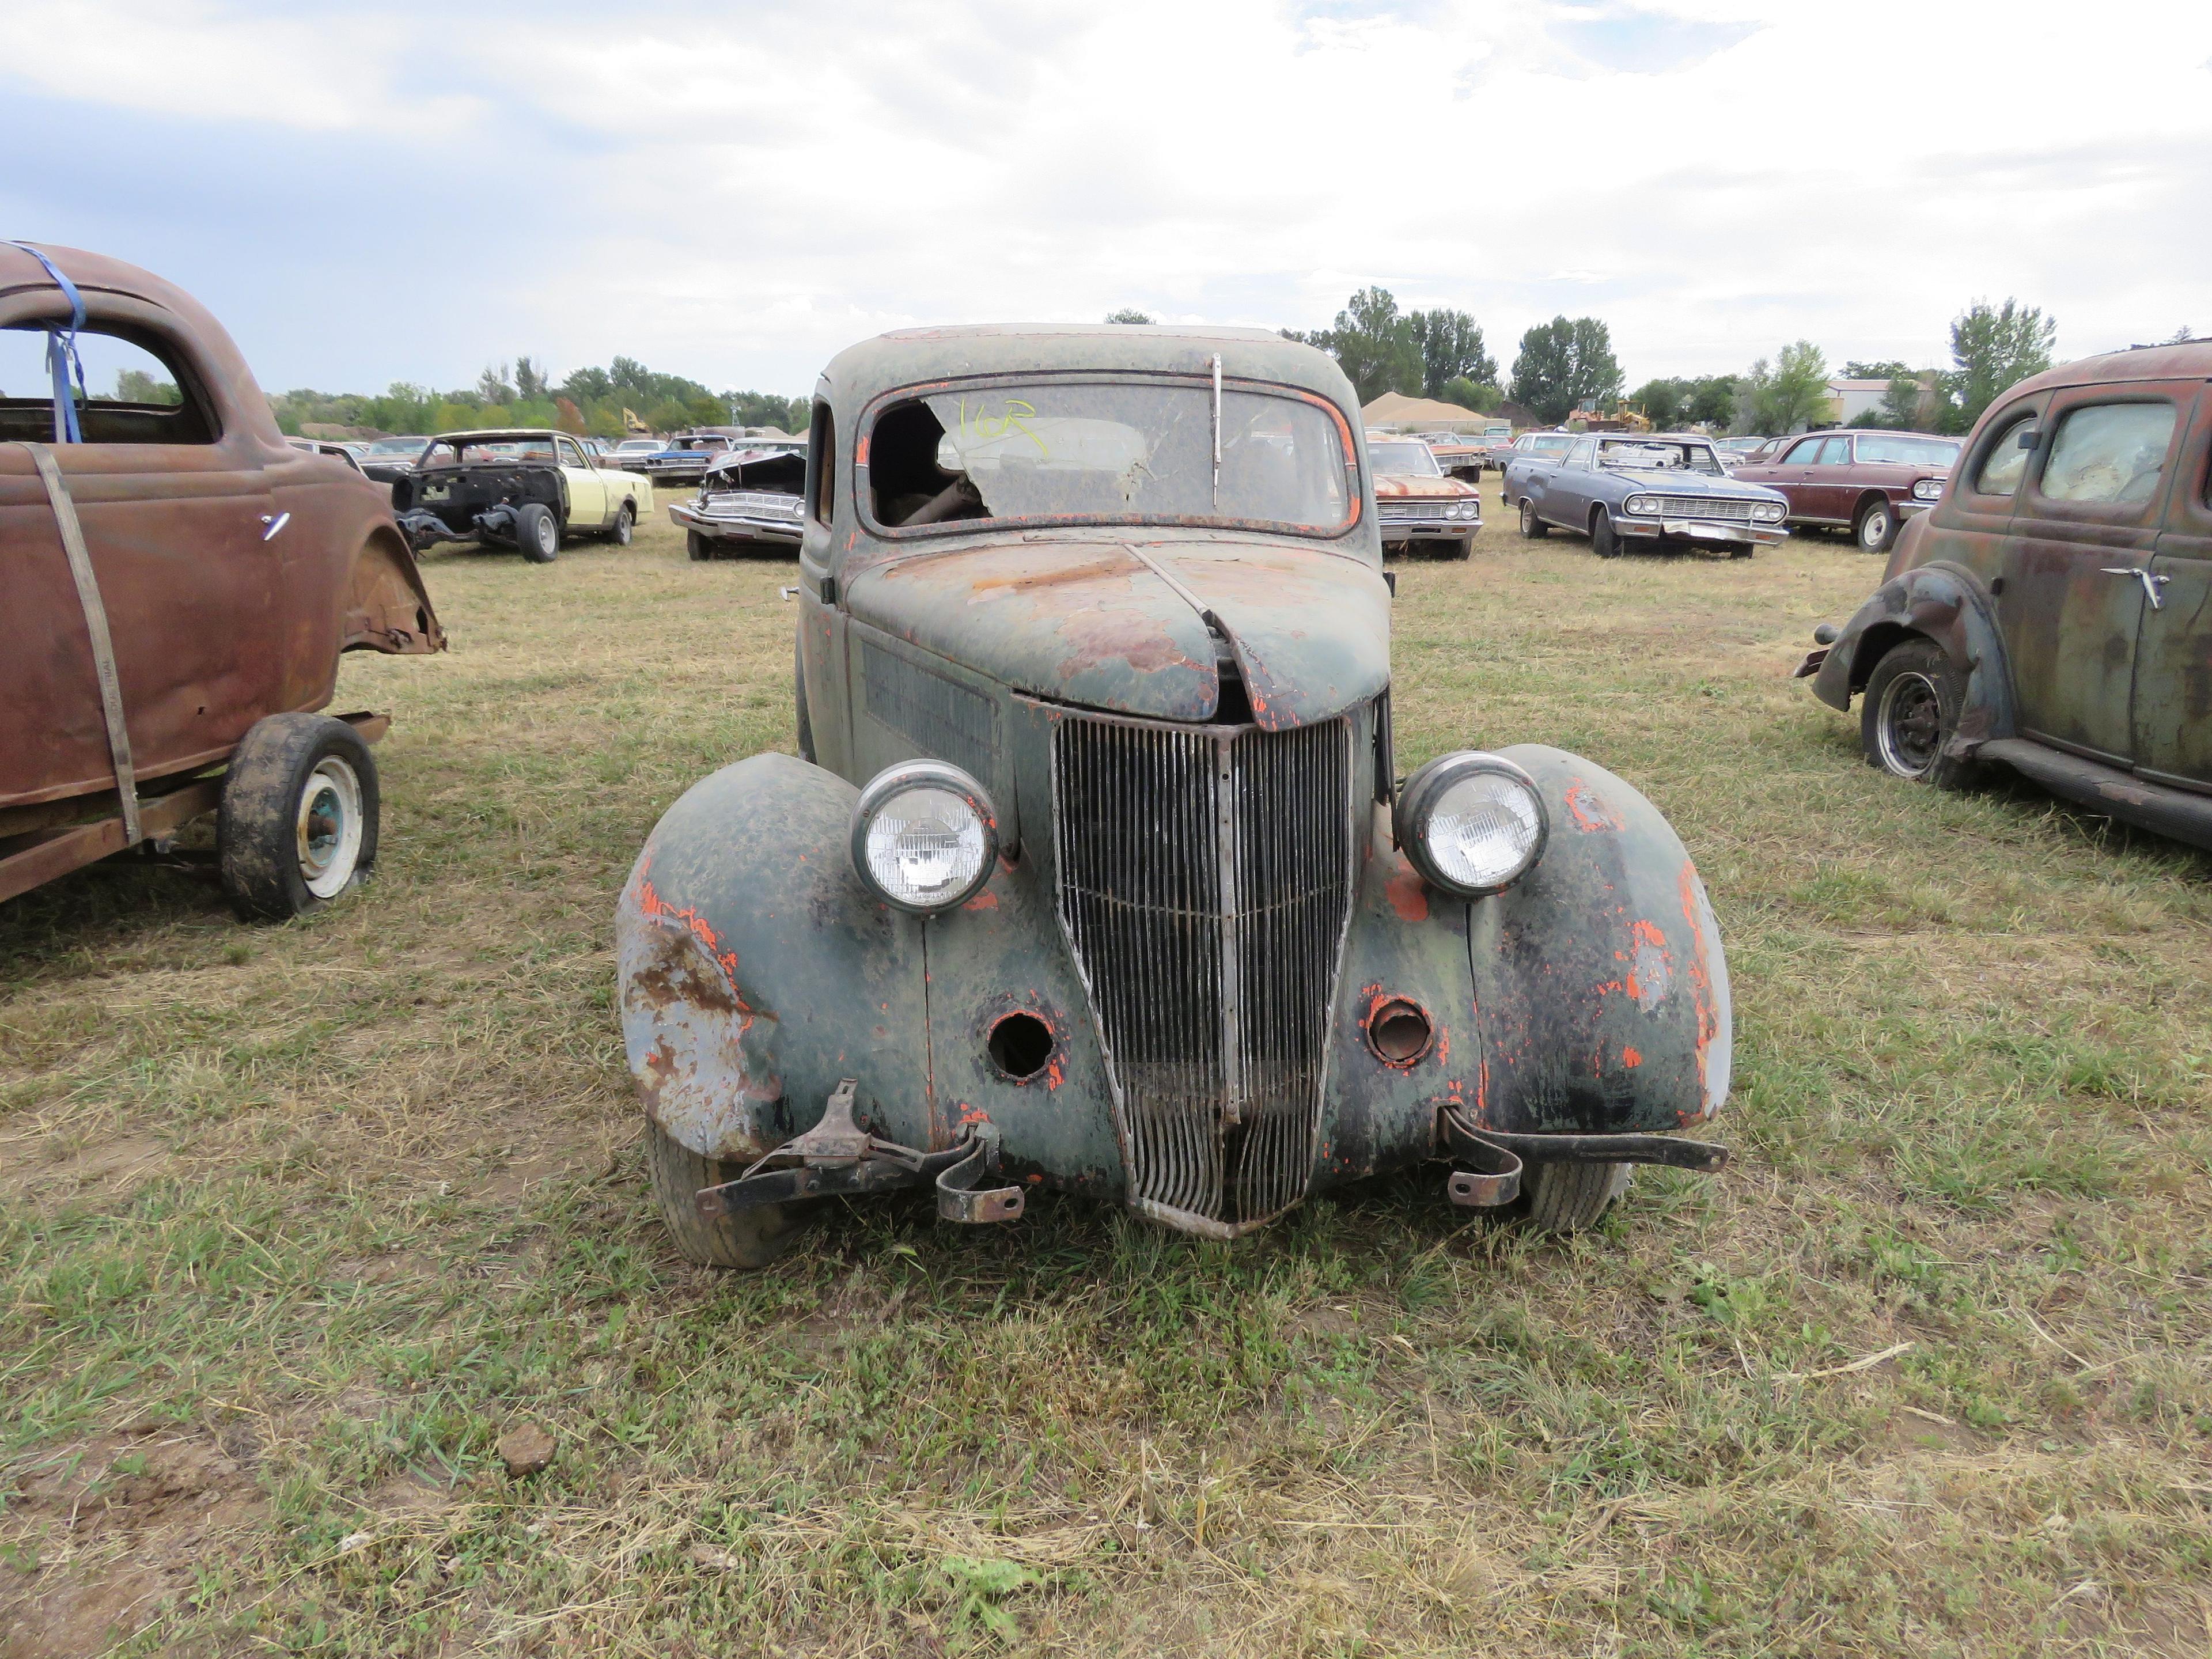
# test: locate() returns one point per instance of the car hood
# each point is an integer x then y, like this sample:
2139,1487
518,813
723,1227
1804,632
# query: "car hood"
1674,481
1123,624
1394,486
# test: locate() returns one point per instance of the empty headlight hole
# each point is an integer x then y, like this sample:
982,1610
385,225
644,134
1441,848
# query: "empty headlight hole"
1020,1045
1399,1031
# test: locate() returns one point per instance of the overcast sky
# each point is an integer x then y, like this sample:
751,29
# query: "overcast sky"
734,191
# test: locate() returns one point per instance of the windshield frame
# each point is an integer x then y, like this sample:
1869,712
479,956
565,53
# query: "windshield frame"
1358,484
1599,464
1374,444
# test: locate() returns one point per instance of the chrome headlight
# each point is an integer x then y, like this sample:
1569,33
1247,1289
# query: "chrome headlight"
924,837
1769,512
1472,822
1642,505
1927,489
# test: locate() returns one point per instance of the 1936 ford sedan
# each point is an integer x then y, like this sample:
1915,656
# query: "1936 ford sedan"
1094,872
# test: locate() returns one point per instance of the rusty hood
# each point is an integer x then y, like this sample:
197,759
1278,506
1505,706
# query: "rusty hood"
1133,626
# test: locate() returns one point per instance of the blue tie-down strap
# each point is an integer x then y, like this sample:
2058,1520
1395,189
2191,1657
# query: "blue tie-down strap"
61,353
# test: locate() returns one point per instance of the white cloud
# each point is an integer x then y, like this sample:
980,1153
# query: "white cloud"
738,198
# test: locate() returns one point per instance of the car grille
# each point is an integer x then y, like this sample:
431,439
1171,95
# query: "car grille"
1400,511
1204,877
753,504
1704,506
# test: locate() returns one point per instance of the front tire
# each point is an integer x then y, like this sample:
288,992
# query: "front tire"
625,526
297,824
1567,1198
1460,547
1910,712
1876,527
698,547
1532,527
748,1241
1605,540
537,532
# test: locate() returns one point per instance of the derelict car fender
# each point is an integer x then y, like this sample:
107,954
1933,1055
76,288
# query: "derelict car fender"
1939,601
1600,987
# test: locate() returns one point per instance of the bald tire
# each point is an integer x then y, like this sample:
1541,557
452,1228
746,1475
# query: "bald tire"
748,1240
1565,1198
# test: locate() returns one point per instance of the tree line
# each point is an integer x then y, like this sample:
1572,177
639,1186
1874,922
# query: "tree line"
588,402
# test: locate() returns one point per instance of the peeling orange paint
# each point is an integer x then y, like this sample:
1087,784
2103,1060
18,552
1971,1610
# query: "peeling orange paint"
1408,896
1630,1057
986,900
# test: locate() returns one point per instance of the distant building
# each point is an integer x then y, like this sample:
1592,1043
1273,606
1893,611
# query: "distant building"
1395,409
1852,401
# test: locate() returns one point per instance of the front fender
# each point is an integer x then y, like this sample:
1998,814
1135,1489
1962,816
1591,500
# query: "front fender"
755,970
1942,602
1600,986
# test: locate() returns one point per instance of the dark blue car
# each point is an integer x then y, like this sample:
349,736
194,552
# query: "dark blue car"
1659,490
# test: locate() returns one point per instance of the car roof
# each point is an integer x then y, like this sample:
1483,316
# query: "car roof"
918,356
2189,361
498,435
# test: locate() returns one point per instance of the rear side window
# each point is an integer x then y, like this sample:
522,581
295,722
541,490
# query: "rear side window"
2112,453
1836,451
2005,460
131,395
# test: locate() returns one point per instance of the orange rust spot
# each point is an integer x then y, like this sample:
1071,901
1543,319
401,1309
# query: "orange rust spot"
986,900
861,450
1588,810
1409,897
1630,1057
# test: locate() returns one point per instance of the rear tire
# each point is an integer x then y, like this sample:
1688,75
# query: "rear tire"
748,1240
1876,527
625,526
297,824
1605,541
1566,1197
537,532
1909,714
1532,527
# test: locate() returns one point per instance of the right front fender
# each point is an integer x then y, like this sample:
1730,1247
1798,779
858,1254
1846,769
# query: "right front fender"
1942,602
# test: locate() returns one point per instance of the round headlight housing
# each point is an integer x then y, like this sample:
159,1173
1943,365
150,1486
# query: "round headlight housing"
1927,489
924,836
1769,512
1641,504
1472,822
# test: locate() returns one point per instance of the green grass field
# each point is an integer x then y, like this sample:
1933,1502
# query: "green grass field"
296,1222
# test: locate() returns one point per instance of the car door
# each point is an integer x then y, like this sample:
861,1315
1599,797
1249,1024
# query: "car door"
1828,489
587,486
177,514
1791,473
2172,699
2077,555
1566,495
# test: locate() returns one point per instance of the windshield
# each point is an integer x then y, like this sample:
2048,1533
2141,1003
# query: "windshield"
1648,455
1107,450
1416,459
1908,452
398,447
1548,445
471,452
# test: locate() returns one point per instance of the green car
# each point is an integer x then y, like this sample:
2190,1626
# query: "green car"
1095,873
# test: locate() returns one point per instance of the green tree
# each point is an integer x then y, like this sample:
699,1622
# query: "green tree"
1887,369
1994,348
1451,348
492,386
1713,400
1483,399
1373,343
1128,314
1900,404
1791,394
1562,365
1664,403
530,381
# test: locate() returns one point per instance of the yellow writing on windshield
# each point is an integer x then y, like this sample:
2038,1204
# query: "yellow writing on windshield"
987,428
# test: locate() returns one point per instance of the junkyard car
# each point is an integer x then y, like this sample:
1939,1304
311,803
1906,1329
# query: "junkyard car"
385,460
1654,491
528,489
750,500
629,454
2052,613
1416,502
684,459
1457,457
181,582
1094,872
1871,482
346,455
1539,451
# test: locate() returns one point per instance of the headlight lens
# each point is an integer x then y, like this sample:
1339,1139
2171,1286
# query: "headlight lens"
1641,504
1927,489
1472,822
924,837
1768,512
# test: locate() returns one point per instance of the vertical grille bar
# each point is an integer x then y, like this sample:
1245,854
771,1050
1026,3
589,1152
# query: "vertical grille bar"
1204,879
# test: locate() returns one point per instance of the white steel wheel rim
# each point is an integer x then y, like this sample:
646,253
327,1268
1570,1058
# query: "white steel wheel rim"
622,526
542,534
328,827
1527,516
1873,527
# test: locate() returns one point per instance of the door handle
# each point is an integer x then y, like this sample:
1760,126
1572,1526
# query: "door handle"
273,525
2151,584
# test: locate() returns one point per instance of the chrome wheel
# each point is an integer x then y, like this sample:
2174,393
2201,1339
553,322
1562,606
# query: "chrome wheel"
328,828
1909,725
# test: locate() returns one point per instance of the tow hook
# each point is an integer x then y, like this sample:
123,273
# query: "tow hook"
837,1157
1498,1156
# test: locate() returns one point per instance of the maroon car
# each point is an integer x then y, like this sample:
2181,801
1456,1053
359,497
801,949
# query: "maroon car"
1871,482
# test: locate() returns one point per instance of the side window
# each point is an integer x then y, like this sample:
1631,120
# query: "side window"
822,462
1804,452
1836,451
2111,453
2004,461
1581,453
571,455
132,394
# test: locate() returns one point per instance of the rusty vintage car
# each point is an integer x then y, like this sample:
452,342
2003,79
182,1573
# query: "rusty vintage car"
182,582
528,488
1094,871
1416,502
2052,613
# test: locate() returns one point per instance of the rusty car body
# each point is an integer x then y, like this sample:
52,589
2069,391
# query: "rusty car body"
183,581
528,488
2052,612
1094,871
1417,501
750,500
1868,482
